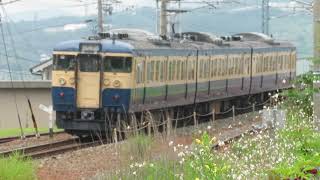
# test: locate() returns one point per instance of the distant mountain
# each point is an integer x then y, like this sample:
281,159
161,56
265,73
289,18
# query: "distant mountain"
31,39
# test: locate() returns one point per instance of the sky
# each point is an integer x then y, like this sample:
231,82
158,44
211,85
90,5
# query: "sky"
42,9
26,9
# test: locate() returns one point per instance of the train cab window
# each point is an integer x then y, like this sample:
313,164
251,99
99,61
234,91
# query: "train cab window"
89,63
64,62
118,64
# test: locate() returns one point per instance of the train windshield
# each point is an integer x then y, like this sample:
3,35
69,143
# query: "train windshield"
89,63
64,62
118,64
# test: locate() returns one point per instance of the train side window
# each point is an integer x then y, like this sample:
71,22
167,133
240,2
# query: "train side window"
64,62
207,67
260,63
271,63
256,60
281,62
150,71
170,71
220,67
157,72
288,61
224,64
140,72
238,66
241,65
183,69
212,67
161,69
274,63
191,67
174,72
200,68
178,69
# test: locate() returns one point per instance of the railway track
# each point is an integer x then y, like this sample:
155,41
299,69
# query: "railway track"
49,149
13,138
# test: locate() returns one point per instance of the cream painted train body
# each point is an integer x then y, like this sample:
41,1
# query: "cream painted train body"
95,81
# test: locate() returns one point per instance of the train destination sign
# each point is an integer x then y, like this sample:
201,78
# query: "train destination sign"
90,47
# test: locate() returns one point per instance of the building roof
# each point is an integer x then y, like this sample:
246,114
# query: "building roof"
25,84
37,69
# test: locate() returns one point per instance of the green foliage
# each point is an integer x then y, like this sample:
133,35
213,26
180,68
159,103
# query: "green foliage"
198,164
315,61
300,133
299,169
202,164
300,97
16,168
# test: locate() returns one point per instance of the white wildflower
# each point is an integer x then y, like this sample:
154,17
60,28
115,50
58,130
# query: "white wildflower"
181,154
221,143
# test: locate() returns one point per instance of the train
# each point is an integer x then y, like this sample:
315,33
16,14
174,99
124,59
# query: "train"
107,79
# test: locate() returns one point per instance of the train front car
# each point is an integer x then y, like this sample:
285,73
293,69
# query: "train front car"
90,84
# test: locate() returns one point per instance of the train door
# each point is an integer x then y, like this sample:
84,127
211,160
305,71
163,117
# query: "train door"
88,84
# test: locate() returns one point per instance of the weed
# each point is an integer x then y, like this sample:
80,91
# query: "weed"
16,168
137,147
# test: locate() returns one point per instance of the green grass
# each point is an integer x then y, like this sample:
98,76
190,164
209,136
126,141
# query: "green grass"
138,147
27,131
17,168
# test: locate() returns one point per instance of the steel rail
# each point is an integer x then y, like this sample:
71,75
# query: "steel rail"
13,138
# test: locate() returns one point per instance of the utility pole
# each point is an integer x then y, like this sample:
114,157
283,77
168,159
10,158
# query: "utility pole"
265,16
100,16
316,28
316,66
163,18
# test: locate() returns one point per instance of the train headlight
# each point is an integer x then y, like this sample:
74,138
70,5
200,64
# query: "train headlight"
116,83
62,81
106,82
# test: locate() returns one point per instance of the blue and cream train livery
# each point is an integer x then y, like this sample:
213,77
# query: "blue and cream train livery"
99,81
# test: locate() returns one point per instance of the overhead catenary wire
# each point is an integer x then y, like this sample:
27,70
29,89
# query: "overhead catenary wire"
11,79
8,2
21,76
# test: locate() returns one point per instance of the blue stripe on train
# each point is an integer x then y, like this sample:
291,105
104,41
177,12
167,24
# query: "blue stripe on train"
118,99
63,98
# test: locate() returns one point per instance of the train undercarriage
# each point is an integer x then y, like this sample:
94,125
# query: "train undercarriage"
104,122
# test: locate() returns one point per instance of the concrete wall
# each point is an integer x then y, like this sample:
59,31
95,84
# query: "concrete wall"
37,91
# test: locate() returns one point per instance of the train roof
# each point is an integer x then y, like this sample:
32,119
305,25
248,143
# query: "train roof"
143,43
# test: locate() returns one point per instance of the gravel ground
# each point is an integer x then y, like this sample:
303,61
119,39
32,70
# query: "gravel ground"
33,141
89,163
